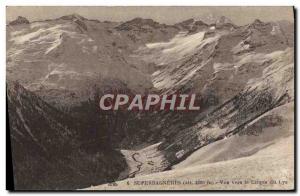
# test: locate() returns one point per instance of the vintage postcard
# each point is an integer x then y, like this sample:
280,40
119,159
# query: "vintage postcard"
150,98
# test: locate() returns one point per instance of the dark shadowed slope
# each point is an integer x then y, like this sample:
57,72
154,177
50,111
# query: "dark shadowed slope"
47,150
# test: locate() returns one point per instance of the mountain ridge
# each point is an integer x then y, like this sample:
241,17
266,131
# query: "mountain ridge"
240,73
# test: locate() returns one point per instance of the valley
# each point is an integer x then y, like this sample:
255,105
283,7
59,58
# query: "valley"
58,69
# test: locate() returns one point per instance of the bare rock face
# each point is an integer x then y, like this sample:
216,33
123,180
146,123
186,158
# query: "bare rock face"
73,17
138,23
77,19
19,20
186,23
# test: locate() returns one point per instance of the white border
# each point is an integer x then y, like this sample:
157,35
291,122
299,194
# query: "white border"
5,3
155,2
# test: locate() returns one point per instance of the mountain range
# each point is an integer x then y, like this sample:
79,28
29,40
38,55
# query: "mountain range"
57,69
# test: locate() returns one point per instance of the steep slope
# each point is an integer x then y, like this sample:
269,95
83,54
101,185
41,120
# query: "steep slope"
48,152
69,56
249,137
235,88
262,153
272,128
141,30
190,58
260,170
272,89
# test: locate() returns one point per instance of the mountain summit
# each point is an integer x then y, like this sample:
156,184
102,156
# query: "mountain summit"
19,20
73,17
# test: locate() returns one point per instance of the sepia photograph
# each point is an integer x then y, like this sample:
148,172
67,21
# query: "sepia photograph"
150,98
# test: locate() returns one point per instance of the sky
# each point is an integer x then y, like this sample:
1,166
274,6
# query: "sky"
167,15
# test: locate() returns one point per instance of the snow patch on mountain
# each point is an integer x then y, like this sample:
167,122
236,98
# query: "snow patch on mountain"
181,45
167,54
